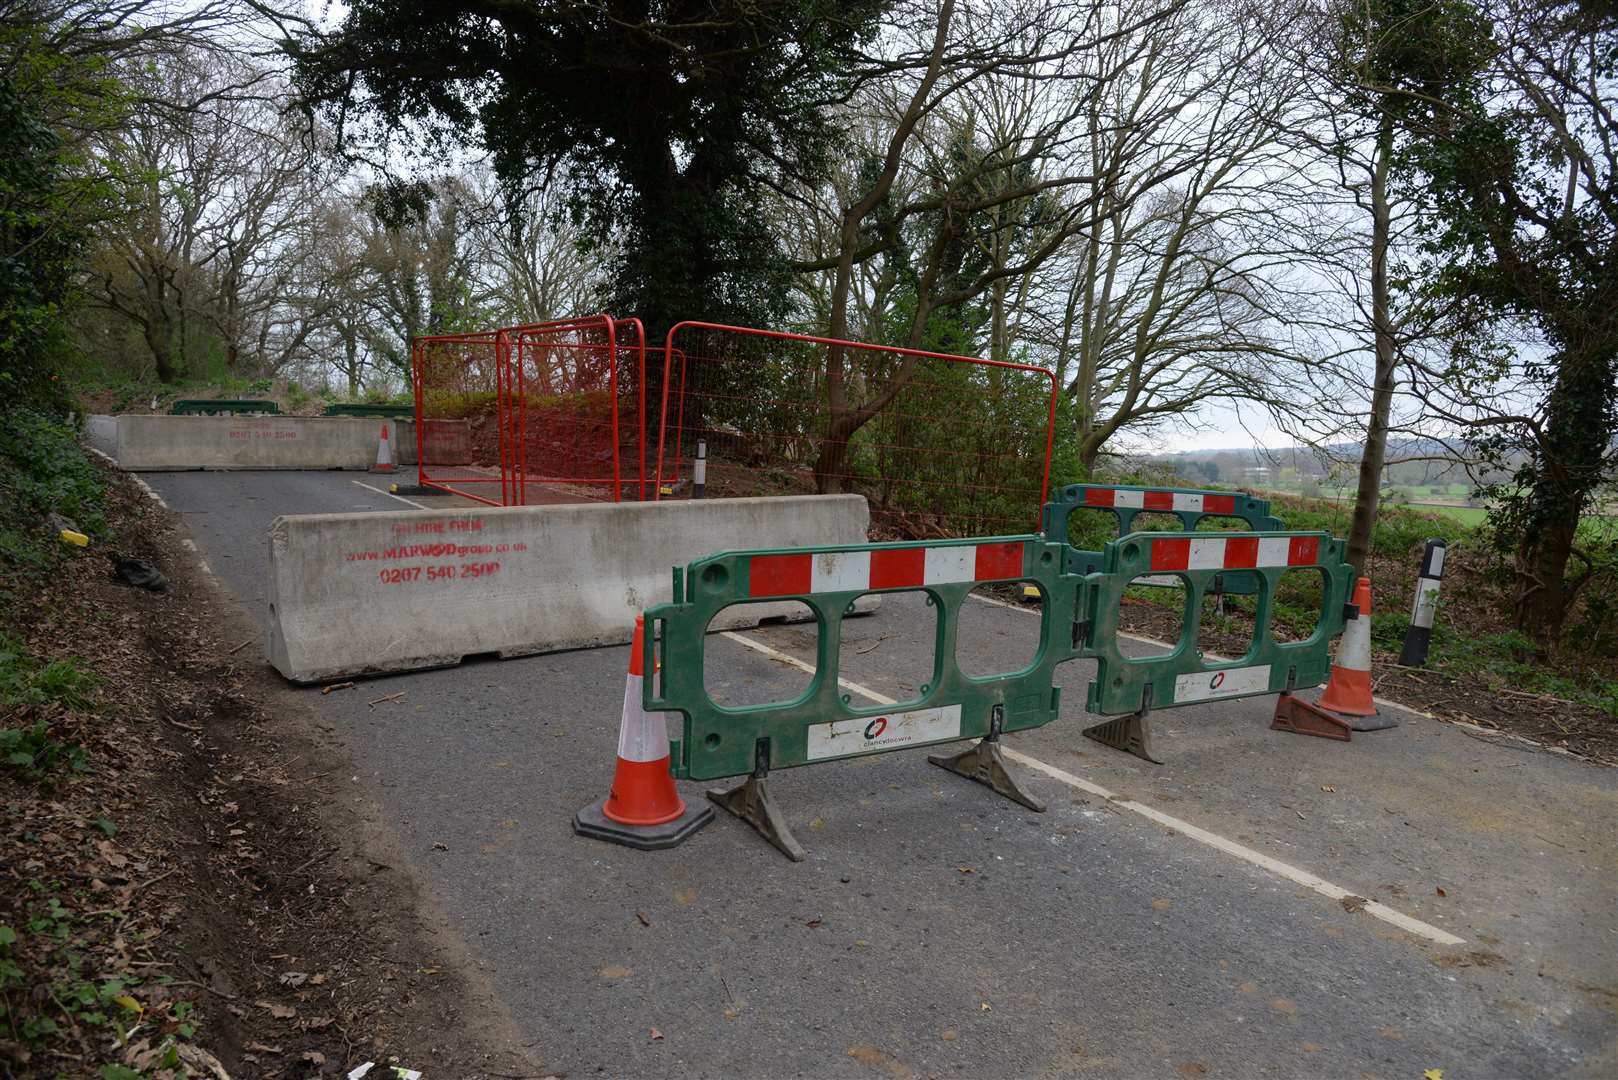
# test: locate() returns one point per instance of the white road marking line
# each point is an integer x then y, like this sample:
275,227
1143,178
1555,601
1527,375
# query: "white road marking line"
143,485
1211,656
191,546
1213,840
391,495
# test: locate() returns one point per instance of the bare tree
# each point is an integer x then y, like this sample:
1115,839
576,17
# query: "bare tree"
218,192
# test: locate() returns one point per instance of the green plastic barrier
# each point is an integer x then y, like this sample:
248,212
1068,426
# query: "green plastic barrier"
1185,676
388,412
720,741
216,406
1079,619
1125,501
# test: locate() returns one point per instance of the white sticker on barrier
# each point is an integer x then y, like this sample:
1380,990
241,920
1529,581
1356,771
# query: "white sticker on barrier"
840,571
867,734
1204,685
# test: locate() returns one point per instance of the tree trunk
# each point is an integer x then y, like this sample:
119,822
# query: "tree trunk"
1542,596
1572,452
1368,496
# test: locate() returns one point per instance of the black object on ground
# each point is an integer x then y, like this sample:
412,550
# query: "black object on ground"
141,575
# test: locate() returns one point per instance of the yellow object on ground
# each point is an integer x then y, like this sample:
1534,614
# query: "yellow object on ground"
70,537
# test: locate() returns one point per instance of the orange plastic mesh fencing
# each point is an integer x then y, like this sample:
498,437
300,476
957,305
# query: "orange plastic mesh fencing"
459,388
940,445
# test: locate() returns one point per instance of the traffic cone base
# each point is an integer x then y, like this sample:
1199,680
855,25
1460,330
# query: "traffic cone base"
593,821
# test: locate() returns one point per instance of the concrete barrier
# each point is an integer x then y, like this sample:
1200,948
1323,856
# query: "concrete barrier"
359,594
449,442
165,443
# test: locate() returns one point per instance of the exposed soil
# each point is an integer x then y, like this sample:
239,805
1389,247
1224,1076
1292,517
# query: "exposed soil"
234,872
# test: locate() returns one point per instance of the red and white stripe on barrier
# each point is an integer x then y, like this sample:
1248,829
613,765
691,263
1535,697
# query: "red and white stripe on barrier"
1160,500
884,568
1234,553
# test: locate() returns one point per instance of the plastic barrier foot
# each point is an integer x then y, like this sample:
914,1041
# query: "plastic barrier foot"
1132,734
1301,718
987,765
752,803
593,823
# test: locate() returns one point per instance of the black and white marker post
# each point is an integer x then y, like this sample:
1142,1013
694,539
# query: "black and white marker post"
1420,634
699,470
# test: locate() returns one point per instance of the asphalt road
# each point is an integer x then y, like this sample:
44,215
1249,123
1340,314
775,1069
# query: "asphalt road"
1173,920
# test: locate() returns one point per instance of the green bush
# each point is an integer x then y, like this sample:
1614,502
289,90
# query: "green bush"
35,749
43,470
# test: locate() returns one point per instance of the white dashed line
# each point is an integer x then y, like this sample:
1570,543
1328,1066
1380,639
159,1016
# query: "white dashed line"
191,546
390,495
1185,828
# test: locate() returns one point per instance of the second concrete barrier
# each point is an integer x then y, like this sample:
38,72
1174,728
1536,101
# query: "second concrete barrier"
359,594
158,443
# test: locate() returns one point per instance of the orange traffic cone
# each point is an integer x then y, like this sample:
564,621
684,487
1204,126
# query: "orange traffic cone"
384,452
1348,691
642,809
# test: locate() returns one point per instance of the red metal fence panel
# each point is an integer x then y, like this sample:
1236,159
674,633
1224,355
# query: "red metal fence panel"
575,414
939,444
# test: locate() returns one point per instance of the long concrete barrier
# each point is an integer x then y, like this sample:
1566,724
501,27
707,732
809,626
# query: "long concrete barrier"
167,443
359,594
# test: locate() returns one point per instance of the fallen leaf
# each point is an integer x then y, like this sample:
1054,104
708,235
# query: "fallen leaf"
1440,891
656,1034
1354,903
1162,905
813,923
644,921
949,1035
438,846
967,869
293,978
615,971
319,1023
1433,1074
317,980
314,1057
984,1007
129,1003
260,1048
280,1012
1327,787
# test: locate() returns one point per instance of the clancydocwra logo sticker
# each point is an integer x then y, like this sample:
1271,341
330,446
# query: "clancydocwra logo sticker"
876,727
1217,681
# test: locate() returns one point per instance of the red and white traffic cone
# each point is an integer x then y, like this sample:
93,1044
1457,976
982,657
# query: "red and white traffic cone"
384,452
642,809
1348,691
